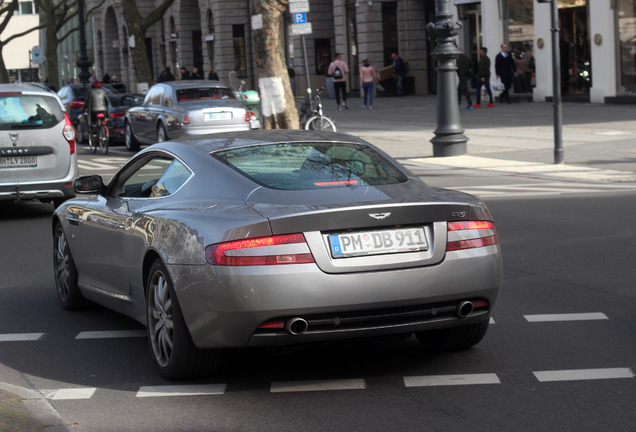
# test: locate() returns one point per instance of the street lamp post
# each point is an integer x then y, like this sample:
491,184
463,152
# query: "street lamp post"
83,62
449,136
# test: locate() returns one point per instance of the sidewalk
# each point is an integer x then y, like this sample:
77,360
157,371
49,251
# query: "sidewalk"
599,141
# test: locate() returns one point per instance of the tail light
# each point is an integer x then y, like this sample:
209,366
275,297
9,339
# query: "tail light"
470,234
69,132
257,251
117,114
76,104
247,117
186,119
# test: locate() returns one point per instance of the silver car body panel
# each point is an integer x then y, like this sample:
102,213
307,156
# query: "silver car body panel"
114,240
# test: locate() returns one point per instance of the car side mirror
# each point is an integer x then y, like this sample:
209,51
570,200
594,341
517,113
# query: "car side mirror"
92,184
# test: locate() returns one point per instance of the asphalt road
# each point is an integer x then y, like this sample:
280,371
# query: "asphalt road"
559,353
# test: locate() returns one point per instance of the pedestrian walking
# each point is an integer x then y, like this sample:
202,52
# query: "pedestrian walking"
506,70
483,77
463,73
368,79
338,69
195,75
185,75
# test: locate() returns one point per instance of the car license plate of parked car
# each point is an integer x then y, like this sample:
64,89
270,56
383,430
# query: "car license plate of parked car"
378,242
218,116
18,161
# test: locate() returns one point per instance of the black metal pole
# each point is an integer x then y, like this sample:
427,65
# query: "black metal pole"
556,84
449,136
83,62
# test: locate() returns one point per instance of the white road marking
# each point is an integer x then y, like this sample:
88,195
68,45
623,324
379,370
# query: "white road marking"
69,393
102,163
583,374
566,317
320,385
20,337
111,334
181,390
451,380
540,189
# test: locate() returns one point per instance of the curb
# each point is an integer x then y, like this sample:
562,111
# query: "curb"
24,410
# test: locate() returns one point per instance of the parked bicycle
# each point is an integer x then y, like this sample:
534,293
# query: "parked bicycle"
311,115
99,136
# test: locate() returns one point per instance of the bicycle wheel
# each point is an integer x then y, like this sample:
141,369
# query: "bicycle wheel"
103,139
92,138
320,124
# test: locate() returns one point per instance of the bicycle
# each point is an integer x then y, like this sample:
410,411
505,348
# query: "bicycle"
99,136
311,116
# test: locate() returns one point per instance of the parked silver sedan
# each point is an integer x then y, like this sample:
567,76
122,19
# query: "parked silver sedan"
274,238
174,109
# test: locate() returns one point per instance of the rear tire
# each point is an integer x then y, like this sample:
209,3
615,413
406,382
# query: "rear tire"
103,140
162,135
131,142
454,338
171,345
92,138
320,124
68,292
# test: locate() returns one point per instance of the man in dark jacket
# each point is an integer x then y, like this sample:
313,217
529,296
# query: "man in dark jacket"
399,69
505,69
463,73
483,77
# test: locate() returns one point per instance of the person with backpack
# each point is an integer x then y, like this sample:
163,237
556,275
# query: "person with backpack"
338,69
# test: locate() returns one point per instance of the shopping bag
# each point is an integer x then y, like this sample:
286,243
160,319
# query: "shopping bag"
380,87
497,85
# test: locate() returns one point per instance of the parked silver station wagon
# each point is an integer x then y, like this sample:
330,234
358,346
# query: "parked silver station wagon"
174,109
37,145
274,238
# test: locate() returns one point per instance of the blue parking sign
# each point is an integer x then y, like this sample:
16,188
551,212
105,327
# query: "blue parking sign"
300,18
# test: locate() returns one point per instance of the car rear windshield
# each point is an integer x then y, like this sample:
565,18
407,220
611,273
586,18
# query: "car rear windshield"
204,93
312,165
23,111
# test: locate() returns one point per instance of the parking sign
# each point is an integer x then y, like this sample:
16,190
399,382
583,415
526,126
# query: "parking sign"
300,18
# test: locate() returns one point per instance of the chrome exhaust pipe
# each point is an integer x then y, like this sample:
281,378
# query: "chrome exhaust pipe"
296,326
464,309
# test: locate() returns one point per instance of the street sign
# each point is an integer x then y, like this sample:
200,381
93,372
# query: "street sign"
299,6
300,18
36,55
301,29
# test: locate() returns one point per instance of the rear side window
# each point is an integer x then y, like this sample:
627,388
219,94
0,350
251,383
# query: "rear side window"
304,166
22,111
204,93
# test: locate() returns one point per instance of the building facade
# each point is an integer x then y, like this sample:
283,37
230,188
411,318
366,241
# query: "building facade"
597,41
17,54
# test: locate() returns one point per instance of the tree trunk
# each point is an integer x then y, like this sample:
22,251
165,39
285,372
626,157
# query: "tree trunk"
4,73
134,22
278,107
50,51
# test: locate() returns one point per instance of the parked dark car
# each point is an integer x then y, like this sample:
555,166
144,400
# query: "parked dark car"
73,97
118,105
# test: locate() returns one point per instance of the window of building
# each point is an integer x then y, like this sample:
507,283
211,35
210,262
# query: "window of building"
626,11
26,8
240,54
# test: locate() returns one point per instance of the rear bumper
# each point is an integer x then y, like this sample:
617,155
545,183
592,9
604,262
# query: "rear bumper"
224,306
39,191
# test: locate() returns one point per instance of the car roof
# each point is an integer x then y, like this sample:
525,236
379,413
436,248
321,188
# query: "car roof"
25,88
207,144
193,83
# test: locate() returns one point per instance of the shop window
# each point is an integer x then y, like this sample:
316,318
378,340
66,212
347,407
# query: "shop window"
626,10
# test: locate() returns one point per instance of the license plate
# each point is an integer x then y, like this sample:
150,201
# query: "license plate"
218,116
18,161
378,242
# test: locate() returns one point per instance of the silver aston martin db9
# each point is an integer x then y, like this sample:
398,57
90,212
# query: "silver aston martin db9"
274,238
